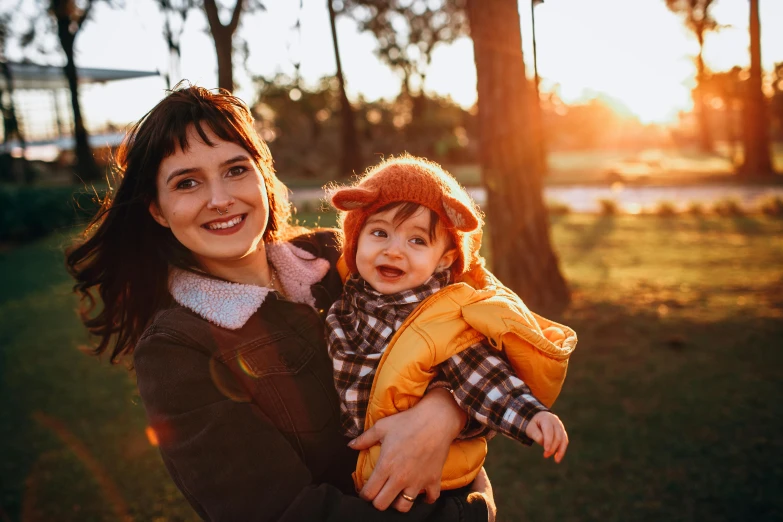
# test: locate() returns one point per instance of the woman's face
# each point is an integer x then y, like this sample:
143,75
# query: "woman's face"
213,199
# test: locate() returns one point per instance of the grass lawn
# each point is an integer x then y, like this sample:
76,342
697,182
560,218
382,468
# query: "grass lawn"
671,402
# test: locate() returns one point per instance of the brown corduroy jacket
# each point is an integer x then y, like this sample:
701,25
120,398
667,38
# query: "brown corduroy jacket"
247,418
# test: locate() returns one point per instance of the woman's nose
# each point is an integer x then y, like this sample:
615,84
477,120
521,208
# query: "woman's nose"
219,197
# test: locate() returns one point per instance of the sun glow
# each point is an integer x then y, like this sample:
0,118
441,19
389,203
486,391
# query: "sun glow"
634,54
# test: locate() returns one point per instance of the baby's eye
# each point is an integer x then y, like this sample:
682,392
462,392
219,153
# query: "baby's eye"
418,241
186,184
237,171
378,232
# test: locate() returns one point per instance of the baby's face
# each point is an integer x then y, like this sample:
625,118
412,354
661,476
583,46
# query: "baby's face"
396,258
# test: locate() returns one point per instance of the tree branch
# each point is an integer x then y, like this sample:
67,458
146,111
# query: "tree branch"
232,26
80,20
212,15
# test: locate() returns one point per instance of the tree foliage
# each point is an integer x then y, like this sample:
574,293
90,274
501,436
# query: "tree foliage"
175,14
408,31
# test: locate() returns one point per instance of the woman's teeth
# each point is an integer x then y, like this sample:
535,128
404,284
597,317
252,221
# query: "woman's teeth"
226,224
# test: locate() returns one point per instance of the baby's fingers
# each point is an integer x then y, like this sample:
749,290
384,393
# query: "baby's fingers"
549,438
561,451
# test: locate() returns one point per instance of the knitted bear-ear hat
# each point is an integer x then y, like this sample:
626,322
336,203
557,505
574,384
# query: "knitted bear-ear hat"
415,180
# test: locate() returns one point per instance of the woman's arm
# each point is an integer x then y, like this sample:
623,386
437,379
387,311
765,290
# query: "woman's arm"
229,459
414,447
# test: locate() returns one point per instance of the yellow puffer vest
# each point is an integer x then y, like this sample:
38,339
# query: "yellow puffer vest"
476,307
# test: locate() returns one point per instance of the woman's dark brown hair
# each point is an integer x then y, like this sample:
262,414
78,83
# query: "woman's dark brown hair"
122,262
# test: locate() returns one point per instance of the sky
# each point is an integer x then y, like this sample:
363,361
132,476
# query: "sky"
634,53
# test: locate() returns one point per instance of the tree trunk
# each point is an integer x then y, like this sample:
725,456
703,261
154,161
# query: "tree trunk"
225,59
522,254
758,157
86,168
538,117
351,162
223,36
705,136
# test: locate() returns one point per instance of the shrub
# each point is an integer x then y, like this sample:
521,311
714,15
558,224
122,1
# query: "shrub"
772,205
558,208
695,208
30,212
666,209
728,207
608,207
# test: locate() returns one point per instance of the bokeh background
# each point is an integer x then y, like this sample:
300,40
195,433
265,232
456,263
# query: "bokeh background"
627,154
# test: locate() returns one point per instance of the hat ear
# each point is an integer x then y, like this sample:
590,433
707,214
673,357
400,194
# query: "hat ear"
353,198
460,215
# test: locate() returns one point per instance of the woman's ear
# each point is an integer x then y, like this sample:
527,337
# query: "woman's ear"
460,215
157,215
446,260
353,198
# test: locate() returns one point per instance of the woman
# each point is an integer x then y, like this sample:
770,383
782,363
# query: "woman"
220,302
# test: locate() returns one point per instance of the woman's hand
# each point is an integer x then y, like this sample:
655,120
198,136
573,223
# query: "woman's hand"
414,447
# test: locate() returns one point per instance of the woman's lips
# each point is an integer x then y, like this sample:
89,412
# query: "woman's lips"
390,272
226,227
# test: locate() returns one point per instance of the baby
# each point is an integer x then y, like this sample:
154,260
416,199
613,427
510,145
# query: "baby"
419,310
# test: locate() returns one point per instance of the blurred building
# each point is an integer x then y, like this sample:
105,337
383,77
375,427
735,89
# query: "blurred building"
42,108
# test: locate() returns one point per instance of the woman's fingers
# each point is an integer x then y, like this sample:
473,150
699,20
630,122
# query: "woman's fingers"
403,503
368,439
387,495
433,492
374,485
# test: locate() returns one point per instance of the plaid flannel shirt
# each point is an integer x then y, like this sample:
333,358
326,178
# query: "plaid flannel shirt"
359,328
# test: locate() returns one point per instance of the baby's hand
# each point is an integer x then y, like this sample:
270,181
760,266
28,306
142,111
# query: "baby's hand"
546,429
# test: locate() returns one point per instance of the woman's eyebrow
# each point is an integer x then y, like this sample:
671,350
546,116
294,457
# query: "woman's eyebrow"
235,159
188,170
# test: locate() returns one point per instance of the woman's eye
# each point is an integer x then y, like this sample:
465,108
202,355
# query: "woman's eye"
378,233
236,171
186,184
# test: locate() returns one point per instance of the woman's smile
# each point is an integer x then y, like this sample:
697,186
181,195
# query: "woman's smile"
212,197
225,226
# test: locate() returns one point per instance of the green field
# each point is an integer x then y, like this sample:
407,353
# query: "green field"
670,403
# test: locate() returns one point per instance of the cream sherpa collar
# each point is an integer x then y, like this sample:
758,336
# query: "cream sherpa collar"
230,305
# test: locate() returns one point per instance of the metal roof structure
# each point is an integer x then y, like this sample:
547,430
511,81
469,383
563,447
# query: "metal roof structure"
31,76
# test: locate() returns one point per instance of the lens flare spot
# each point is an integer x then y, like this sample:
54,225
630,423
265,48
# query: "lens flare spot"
243,365
152,437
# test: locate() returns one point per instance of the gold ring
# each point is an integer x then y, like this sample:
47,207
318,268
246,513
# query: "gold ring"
408,497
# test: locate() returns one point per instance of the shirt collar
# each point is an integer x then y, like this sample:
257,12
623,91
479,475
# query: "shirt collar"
230,305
